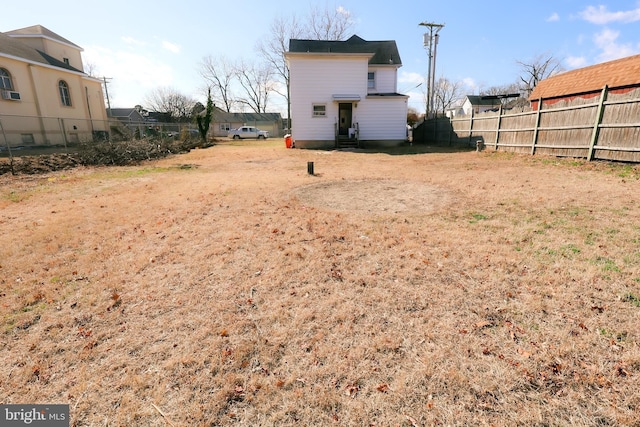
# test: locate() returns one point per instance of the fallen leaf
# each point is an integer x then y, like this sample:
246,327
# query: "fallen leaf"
351,390
483,324
382,388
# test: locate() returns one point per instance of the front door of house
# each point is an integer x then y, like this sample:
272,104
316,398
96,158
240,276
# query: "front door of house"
345,117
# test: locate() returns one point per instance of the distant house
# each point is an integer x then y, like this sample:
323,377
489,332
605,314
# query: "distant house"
619,76
46,97
479,104
345,92
128,115
223,122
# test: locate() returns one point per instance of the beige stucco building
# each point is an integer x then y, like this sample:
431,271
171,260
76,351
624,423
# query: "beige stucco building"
46,98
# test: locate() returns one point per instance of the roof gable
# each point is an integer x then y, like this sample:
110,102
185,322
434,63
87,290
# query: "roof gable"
41,31
12,47
384,52
614,74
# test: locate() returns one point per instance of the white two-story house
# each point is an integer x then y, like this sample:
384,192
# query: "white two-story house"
344,93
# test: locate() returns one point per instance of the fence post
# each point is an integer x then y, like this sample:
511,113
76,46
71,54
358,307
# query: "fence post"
470,126
6,141
596,126
498,127
535,127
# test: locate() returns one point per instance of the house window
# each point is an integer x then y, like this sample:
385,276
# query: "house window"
371,80
5,80
65,98
319,110
225,127
65,60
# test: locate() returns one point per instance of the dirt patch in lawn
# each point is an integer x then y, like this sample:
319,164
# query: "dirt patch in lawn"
227,286
375,196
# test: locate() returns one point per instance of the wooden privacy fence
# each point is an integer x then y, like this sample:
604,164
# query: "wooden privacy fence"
603,126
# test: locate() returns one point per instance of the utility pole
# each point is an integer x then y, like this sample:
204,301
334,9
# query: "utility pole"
106,92
430,41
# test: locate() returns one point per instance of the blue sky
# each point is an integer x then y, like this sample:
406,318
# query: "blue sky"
146,45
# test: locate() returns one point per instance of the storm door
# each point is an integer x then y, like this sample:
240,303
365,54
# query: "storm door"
345,118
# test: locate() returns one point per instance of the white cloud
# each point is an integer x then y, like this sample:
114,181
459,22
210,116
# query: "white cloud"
408,79
553,18
600,15
470,83
576,61
606,40
132,75
132,42
171,47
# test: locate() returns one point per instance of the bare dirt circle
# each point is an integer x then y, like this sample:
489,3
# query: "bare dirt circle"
374,196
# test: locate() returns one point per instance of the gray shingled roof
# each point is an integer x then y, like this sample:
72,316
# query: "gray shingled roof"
385,52
13,47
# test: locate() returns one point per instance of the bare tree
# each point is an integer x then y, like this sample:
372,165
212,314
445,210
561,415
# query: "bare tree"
91,69
219,74
446,93
169,100
329,24
320,24
539,68
507,94
272,50
256,82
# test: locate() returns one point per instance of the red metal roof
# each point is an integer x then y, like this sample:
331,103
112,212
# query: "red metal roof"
614,74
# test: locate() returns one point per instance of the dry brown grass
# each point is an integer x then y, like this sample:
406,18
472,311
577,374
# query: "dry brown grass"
229,287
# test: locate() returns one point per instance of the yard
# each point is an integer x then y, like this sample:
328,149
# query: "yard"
227,286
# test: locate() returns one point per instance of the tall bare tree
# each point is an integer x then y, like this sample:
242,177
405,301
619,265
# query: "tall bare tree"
319,24
272,50
256,82
169,100
219,73
537,69
329,24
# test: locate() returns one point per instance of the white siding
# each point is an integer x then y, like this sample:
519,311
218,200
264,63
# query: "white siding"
386,79
314,80
382,118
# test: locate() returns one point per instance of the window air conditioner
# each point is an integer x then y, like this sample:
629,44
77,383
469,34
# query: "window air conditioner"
11,95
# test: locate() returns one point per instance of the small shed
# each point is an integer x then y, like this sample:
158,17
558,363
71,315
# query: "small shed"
620,76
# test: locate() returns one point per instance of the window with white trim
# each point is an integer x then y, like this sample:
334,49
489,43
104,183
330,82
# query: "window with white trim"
65,97
5,80
319,110
225,127
371,80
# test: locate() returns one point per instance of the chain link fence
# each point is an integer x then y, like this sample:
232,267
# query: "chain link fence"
26,135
